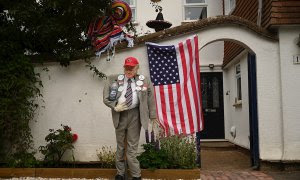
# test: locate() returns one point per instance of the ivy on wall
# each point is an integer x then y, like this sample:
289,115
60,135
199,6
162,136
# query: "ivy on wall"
19,86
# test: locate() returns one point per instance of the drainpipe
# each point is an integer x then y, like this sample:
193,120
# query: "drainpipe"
223,8
259,13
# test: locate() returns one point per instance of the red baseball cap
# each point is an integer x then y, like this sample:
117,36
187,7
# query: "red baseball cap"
131,61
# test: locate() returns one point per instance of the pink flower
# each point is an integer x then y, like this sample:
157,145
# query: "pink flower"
74,137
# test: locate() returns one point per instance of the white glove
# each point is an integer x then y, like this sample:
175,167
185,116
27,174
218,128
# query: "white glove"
121,107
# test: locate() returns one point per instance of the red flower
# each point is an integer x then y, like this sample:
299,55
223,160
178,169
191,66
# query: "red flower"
74,137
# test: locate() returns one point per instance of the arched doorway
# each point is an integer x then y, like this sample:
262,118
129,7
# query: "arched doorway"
213,115
242,74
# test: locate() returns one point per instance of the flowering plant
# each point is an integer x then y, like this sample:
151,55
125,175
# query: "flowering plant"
106,156
58,142
174,152
74,137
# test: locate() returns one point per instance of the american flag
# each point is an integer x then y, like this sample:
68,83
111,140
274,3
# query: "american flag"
175,74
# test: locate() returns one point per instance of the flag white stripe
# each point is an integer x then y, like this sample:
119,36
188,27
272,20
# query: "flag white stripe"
184,107
158,105
168,111
197,87
190,90
189,84
197,81
177,116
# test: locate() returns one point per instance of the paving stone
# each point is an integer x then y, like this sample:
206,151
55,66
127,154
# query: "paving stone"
234,175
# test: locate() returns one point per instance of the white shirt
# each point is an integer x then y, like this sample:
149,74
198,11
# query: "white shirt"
135,100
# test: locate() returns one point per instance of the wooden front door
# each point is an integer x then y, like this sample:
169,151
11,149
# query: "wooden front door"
212,105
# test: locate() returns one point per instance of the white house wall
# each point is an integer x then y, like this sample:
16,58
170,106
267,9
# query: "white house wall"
212,53
173,11
73,97
236,117
289,36
91,119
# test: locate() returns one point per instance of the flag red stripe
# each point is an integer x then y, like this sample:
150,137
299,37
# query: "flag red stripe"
197,59
194,89
163,107
172,109
183,61
186,93
181,117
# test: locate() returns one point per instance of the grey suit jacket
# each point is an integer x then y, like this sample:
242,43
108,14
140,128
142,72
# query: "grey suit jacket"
147,106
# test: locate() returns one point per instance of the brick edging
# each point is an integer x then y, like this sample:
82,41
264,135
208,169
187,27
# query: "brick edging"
95,173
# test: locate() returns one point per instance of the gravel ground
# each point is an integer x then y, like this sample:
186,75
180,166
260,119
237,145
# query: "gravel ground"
38,178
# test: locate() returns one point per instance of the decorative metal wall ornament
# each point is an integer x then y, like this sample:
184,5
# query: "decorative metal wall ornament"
106,31
155,1
159,23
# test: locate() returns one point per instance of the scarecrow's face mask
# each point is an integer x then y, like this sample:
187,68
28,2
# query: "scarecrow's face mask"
130,71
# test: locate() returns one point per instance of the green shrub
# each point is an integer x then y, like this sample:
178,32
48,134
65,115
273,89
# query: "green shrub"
106,157
153,158
23,160
181,151
176,152
58,142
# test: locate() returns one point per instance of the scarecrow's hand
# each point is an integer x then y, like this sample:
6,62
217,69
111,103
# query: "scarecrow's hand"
121,107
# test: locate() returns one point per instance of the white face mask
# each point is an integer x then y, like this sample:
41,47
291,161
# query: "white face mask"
130,72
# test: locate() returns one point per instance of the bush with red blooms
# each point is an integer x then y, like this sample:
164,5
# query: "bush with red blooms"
58,142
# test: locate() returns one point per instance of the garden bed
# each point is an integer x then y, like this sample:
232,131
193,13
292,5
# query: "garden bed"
95,173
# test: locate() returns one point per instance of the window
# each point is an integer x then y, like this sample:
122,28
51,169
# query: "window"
229,6
132,4
195,9
232,4
238,82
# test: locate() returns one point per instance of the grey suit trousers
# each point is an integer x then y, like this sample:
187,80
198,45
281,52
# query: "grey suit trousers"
130,126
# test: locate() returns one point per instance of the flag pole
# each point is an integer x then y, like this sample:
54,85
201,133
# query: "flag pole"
198,149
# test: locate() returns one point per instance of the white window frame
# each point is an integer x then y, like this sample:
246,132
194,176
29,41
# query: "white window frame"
229,6
238,88
133,6
185,4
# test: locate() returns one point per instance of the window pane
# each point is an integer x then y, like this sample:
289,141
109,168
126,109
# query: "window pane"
215,89
204,92
195,1
232,3
130,2
133,8
194,13
133,14
239,88
238,69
